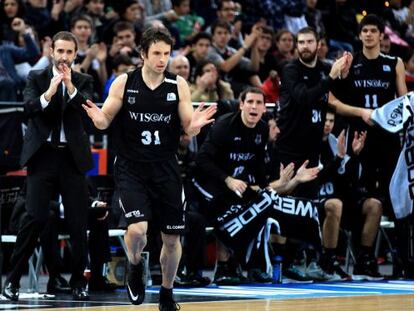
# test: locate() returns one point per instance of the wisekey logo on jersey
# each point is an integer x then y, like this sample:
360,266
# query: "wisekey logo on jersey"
171,97
386,68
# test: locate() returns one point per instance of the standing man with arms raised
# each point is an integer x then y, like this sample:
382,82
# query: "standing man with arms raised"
57,154
374,79
305,86
150,106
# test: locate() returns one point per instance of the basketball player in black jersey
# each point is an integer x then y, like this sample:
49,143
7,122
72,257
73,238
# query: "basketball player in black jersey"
305,86
373,80
150,106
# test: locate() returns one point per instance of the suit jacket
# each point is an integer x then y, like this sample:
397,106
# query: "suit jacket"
42,121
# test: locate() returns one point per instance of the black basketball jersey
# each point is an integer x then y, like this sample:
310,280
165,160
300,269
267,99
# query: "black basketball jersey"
303,104
148,125
371,82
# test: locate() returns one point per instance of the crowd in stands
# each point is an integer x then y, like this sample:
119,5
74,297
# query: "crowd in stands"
247,41
221,48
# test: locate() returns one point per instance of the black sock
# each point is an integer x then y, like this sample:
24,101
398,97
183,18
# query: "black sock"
330,252
366,251
166,293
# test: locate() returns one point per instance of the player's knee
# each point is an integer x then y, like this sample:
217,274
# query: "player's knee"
333,208
137,231
171,241
372,207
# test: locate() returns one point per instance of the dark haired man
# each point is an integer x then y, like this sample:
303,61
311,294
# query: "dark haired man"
306,82
151,105
373,80
57,154
200,45
230,161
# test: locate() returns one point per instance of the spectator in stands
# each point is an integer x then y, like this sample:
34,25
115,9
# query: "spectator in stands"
9,9
95,10
131,11
161,9
123,43
271,88
10,83
314,17
208,86
23,69
399,16
179,65
323,51
91,58
267,60
188,24
409,71
45,22
199,51
285,48
236,69
226,12
207,9
271,13
385,44
121,64
341,26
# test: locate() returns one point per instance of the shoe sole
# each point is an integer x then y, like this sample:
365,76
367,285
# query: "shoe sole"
10,298
363,277
135,300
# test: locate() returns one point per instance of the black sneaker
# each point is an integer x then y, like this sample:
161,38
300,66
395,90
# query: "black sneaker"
331,266
366,268
135,283
168,305
258,276
181,279
11,292
198,280
226,275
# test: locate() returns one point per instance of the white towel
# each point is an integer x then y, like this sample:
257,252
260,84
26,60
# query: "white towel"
395,116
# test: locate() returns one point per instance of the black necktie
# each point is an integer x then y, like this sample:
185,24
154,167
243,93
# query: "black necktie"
55,139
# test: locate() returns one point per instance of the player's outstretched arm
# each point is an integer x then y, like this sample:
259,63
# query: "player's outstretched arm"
192,120
102,118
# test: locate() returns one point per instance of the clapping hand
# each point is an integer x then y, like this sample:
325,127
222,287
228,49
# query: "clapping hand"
286,173
358,142
66,77
341,145
305,174
53,86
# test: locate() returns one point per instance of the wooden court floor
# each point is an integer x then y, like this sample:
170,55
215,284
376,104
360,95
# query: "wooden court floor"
366,303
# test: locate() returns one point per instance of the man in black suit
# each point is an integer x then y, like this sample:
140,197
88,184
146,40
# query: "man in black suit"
57,154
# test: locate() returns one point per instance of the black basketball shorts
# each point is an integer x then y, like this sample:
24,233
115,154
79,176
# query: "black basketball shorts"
151,191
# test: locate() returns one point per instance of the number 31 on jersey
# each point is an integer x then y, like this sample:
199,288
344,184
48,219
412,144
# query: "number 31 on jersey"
148,138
